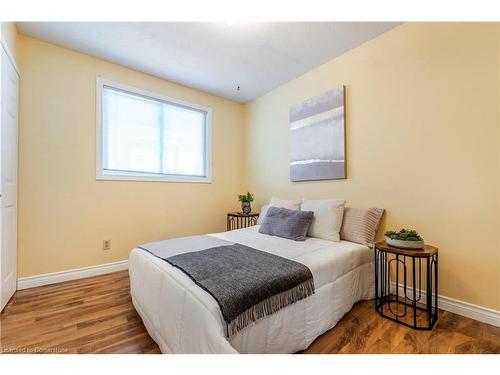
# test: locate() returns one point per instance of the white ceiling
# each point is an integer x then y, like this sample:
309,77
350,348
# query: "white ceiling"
213,57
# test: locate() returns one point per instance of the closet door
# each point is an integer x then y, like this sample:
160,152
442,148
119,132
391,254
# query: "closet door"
9,103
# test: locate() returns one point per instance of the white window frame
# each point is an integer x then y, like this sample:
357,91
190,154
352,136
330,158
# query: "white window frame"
102,174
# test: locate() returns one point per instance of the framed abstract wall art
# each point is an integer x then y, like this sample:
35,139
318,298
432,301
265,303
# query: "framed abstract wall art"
317,138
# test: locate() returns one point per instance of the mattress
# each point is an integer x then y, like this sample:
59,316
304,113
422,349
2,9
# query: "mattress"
183,318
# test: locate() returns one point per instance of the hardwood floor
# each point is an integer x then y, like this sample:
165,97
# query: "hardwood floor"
362,330
95,315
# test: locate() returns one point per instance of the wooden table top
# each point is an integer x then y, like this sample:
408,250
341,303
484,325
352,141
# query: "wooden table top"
241,214
426,251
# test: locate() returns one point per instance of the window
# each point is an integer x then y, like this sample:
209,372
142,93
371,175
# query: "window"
143,136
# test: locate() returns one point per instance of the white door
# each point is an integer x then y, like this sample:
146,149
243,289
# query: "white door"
9,104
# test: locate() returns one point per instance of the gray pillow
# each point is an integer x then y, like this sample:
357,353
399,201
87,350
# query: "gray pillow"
285,223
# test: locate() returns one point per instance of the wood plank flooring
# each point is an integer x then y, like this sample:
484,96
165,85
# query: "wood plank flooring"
363,331
95,315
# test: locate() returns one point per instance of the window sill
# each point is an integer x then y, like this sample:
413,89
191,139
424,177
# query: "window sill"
152,178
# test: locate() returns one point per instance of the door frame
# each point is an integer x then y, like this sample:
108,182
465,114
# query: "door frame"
3,43
10,56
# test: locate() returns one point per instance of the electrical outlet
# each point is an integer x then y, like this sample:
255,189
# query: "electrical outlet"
106,244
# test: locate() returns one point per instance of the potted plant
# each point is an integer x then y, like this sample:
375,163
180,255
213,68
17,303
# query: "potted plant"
245,200
405,238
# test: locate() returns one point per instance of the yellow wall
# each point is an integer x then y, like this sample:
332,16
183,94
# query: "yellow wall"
422,142
64,213
498,109
8,32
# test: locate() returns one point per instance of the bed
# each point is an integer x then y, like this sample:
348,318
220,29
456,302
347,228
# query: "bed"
183,318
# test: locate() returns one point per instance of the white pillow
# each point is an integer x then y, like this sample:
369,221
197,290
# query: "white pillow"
263,212
327,219
293,204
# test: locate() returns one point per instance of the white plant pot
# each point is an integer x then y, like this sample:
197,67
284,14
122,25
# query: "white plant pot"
405,244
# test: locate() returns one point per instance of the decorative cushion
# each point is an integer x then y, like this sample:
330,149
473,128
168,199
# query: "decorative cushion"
360,224
293,204
327,217
285,223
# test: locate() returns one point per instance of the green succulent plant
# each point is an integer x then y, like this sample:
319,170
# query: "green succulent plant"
248,197
404,235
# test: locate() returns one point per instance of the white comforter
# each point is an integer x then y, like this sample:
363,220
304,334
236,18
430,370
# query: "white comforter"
183,318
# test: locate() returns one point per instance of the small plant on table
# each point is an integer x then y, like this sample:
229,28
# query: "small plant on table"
246,200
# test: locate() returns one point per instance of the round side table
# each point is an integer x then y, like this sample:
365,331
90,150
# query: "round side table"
410,305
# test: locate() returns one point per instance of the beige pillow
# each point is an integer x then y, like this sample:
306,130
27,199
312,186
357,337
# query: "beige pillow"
327,217
293,204
360,225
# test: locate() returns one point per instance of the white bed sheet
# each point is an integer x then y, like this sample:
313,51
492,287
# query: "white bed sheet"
183,318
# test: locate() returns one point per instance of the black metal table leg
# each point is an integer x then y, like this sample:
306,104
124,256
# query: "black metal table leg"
414,293
377,264
429,293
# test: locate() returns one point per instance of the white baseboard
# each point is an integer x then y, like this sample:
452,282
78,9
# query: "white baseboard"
469,310
78,273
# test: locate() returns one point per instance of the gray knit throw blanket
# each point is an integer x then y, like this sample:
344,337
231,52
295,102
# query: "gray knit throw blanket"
247,283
